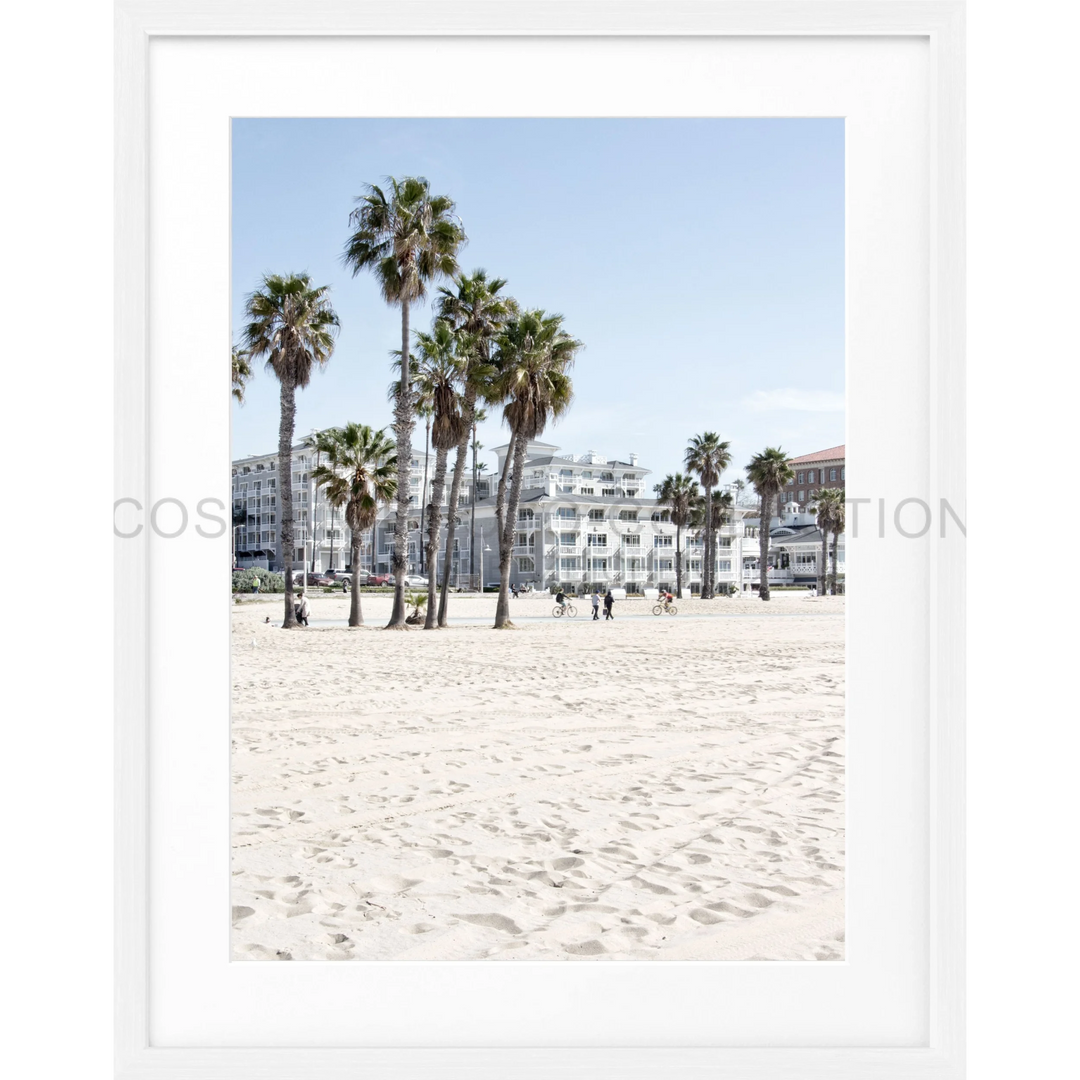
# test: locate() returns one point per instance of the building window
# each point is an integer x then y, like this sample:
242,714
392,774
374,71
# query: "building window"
832,474
525,515
841,474
568,539
609,492
587,474
802,496
566,472
811,477
802,478
666,564
628,515
608,476
631,541
597,540
588,491
596,515
568,564
724,566
661,515
525,565
661,541
567,513
791,481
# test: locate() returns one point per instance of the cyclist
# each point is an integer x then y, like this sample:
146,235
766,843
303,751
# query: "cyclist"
666,599
560,599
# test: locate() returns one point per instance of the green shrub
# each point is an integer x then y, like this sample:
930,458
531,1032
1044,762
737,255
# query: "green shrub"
242,581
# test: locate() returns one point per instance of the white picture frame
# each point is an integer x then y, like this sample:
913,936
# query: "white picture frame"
941,23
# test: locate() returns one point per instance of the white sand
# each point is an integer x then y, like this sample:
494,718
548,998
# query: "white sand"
664,788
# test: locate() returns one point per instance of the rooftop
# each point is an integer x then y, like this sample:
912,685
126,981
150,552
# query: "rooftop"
834,453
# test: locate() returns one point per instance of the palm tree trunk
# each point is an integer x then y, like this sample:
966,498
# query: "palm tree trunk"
678,560
832,573
434,527
423,494
763,545
356,616
455,494
472,516
285,438
706,577
403,425
823,569
506,536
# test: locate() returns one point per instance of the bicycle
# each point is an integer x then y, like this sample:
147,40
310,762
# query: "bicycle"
564,609
660,609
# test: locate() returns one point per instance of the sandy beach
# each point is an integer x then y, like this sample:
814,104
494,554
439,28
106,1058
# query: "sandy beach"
666,788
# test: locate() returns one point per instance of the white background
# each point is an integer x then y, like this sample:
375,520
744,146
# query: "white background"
878,997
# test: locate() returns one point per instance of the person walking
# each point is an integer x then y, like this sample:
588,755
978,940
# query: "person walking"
255,585
301,608
596,604
609,602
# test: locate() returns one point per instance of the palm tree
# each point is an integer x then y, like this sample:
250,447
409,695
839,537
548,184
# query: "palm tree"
477,313
359,475
708,457
837,527
241,373
825,500
406,238
677,492
533,354
439,372
479,416
425,409
722,504
291,324
768,471
422,406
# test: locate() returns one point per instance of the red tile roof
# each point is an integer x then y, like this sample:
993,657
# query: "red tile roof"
833,454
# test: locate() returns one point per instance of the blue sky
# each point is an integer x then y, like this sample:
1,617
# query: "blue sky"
700,261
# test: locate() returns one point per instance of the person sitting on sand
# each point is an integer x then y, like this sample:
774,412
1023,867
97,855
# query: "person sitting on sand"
301,608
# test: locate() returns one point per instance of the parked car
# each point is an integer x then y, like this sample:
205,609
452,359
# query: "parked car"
312,579
339,575
380,579
415,581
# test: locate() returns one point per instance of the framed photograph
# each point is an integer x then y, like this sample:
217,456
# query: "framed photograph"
895,73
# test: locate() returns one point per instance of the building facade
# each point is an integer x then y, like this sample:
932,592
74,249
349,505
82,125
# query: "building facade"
825,468
583,522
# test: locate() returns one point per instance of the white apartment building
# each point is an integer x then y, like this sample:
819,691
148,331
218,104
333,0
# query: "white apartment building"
588,521
256,535
583,521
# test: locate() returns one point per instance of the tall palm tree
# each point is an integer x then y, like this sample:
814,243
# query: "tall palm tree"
479,416
768,471
292,325
837,527
677,492
359,474
477,312
407,237
825,506
439,373
722,504
241,373
534,352
708,456
422,405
